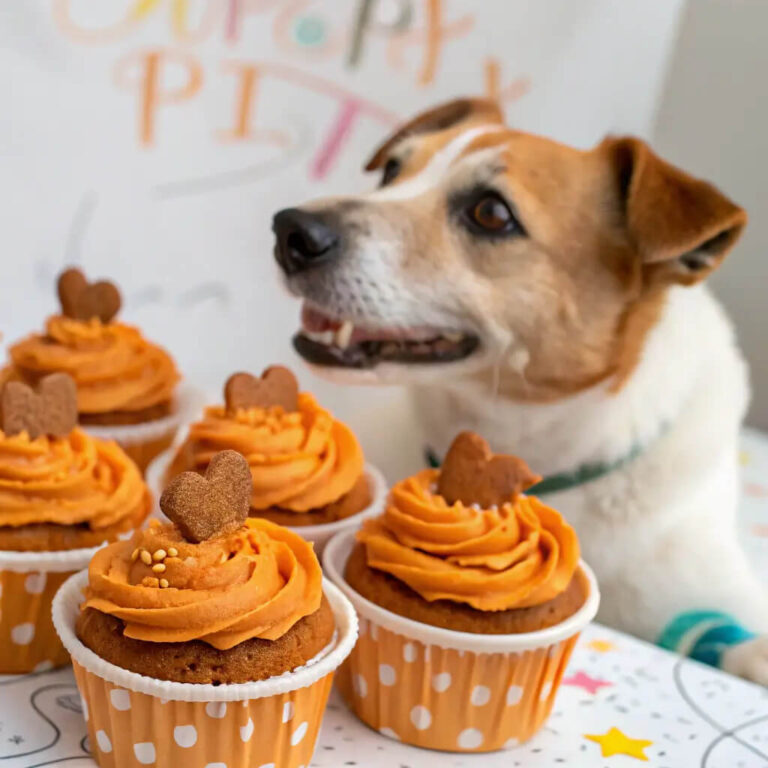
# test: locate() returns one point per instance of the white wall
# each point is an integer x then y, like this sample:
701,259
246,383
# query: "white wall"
714,122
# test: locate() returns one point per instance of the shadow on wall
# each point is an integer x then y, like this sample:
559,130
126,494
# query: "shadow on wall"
713,121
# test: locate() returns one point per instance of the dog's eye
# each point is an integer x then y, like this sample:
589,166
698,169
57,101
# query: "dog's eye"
391,170
491,214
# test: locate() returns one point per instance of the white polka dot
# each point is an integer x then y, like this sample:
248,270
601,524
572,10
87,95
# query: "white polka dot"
34,584
185,736
360,685
389,733
216,765
267,765
84,705
471,738
216,709
105,745
43,666
145,752
546,689
22,634
288,711
511,743
120,699
409,652
481,695
514,694
387,674
441,682
299,733
246,731
421,718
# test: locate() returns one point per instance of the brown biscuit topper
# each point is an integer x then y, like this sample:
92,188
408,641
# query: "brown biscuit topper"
214,505
52,410
472,474
82,300
277,386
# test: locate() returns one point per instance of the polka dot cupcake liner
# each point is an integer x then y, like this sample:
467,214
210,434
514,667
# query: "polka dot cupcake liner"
28,583
320,534
447,690
135,720
143,442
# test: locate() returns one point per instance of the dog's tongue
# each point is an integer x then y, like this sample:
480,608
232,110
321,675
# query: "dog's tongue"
316,322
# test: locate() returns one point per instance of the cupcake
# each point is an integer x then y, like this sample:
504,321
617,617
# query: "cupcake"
63,493
307,467
126,386
208,640
471,596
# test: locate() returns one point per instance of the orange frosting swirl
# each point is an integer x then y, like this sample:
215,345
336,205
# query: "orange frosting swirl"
67,481
256,582
299,461
114,366
517,555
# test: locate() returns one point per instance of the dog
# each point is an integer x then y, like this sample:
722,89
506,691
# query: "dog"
552,299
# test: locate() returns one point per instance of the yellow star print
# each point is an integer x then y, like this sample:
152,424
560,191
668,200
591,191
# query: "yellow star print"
614,742
601,646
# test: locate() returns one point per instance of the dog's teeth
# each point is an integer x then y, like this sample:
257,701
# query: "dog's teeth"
454,337
321,337
344,334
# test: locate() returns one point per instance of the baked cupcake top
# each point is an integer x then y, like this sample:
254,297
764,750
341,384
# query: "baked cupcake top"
52,472
213,574
467,534
115,368
300,457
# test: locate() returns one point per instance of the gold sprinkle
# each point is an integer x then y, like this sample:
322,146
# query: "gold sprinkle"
158,555
158,567
134,555
172,552
146,558
149,581
163,583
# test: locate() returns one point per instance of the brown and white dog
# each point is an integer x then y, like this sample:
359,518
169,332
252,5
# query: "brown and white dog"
552,300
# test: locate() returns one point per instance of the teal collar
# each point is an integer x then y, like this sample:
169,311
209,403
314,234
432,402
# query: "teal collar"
563,481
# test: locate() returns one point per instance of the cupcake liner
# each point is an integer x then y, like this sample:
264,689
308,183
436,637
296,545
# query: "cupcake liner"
142,442
448,690
320,534
133,719
28,583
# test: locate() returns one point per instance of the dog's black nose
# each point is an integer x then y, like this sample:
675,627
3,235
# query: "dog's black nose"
304,239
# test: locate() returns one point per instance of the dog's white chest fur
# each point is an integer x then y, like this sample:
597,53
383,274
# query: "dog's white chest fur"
659,531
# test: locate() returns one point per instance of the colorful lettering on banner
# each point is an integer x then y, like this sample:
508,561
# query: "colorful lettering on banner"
331,146
144,71
512,91
431,37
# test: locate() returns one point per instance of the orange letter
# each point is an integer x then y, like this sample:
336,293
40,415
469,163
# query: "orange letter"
248,76
152,94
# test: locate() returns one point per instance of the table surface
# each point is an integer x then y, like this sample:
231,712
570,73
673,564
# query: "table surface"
622,702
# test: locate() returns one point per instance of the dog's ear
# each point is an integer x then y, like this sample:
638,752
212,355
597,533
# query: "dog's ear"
681,227
438,119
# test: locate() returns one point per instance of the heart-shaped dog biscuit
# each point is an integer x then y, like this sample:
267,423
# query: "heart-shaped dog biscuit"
214,505
277,386
52,410
82,300
472,474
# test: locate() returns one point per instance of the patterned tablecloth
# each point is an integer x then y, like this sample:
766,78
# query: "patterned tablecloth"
623,702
